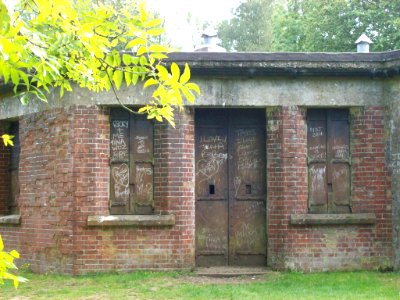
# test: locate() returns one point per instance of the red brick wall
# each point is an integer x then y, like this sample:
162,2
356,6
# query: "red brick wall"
286,180
126,248
64,178
326,247
46,201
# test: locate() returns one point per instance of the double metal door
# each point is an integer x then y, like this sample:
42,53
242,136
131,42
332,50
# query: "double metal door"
230,187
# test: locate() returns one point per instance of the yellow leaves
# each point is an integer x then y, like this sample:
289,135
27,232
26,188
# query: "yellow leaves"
155,31
194,87
186,75
149,82
4,17
6,263
14,254
7,140
158,48
175,72
135,42
141,50
159,113
162,72
152,23
118,76
128,78
142,12
126,59
66,41
14,76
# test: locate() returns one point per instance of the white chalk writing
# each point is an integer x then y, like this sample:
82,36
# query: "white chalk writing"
317,180
317,152
119,141
341,151
141,144
120,175
144,183
316,131
211,240
236,182
247,149
212,155
120,124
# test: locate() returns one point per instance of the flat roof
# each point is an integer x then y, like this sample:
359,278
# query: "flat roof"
374,64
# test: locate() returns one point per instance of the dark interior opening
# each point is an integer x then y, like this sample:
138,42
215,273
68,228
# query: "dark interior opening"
212,189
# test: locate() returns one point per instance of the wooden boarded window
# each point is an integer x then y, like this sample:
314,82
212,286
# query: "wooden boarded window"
12,206
328,141
131,163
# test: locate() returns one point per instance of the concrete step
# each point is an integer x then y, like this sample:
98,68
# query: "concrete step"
228,271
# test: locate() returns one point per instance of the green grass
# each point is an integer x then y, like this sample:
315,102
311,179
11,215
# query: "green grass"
175,285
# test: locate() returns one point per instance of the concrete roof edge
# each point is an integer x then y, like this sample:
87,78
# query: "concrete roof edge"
376,64
286,56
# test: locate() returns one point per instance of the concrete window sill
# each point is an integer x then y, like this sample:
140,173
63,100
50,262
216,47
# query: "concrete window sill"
10,220
333,219
132,220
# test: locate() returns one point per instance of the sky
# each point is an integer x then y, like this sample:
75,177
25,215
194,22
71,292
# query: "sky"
184,18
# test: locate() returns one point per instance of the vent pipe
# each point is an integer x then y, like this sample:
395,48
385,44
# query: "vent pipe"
210,42
363,43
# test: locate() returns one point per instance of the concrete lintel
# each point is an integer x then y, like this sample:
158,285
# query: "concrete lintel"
333,219
10,219
131,220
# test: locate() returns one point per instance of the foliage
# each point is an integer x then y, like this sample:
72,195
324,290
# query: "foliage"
53,43
7,263
249,29
173,285
7,139
313,25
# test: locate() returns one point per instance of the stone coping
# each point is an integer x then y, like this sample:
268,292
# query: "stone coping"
132,220
333,219
10,219
375,64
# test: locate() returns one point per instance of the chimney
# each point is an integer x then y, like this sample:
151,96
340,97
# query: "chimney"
210,42
363,44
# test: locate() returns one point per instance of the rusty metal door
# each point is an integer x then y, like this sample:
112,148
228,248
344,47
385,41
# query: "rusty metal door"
328,140
230,187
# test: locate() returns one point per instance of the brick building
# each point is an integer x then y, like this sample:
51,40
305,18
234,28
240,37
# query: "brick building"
290,161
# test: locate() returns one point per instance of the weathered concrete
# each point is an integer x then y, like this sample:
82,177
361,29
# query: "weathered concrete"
226,92
392,94
10,219
332,219
266,79
132,220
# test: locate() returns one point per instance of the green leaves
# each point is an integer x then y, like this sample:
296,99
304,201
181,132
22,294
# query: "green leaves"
313,25
117,78
51,43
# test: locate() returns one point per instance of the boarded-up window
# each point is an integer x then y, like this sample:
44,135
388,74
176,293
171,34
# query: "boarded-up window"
131,163
328,141
13,169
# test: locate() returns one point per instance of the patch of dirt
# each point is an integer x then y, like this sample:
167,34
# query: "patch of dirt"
196,279
224,275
